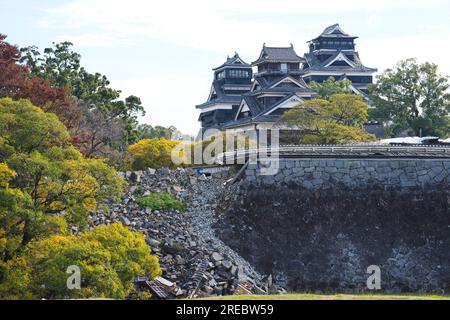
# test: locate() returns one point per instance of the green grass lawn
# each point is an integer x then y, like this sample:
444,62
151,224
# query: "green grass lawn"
331,297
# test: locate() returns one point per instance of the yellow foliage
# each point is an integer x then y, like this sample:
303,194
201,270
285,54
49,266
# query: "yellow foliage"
45,183
3,240
109,257
17,276
6,175
154,153
28,128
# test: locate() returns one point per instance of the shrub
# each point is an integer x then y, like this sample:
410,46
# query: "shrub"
154,153
109,257
161,201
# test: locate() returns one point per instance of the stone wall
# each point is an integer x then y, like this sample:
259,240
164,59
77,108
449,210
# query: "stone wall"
318,224
355,173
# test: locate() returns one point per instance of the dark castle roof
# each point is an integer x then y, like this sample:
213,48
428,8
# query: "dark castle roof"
221,88
334,31
315,64
259,110
278,54
234,61
266,85
222,97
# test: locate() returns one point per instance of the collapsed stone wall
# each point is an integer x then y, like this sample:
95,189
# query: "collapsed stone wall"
192,259
318,224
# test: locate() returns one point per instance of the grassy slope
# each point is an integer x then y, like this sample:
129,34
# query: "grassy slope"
331,297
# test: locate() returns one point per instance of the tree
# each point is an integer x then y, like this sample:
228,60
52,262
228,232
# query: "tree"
348,109
109,257
330,87
100,122
27,128
154,153
17,82
130,254
336,121
58,64
96,133
62,66
51,173
14,206
146,131
412,96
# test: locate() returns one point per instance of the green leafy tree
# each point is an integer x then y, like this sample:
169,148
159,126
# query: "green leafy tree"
336,121
146,131
58,64
412,96
14,208
330,87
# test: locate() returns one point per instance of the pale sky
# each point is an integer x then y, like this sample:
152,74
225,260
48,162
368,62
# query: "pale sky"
163,51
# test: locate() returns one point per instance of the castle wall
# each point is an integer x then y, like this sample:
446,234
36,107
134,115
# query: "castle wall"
318,224
355,173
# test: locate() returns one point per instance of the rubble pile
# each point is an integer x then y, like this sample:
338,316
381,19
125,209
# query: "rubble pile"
195,263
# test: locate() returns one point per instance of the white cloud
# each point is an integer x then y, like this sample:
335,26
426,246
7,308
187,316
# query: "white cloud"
213,25
95,39
208,26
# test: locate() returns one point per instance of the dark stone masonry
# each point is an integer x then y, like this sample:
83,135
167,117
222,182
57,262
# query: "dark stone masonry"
318,224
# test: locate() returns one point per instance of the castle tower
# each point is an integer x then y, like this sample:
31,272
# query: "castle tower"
333,53
277,87
231,80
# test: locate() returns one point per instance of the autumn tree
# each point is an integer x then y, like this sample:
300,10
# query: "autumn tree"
46,186
17,82
412,96
335,121
100,122
154,153
55,177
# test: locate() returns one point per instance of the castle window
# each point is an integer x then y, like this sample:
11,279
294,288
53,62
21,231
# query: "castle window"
239,74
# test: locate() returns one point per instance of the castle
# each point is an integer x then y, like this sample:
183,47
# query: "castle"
249,96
